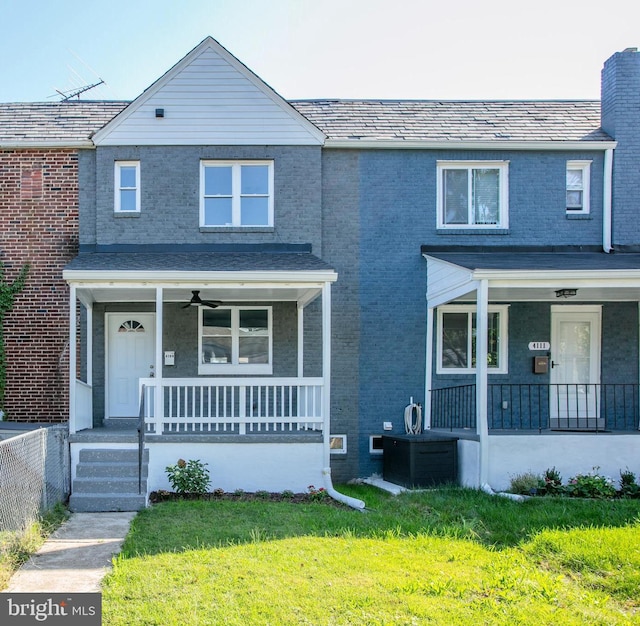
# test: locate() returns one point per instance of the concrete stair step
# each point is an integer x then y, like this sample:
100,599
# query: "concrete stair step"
111,455
125,486
102,502
110,470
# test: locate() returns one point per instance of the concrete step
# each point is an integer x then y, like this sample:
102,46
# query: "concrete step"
111,455
99,502
109,470
108,485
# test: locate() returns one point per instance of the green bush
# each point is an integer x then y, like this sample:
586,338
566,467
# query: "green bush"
527,484
629,488
553,482
592,485
189,476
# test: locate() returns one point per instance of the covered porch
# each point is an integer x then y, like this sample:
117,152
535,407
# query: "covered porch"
221,356
524,343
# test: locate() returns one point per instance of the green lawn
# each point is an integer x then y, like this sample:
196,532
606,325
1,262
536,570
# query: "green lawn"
450,556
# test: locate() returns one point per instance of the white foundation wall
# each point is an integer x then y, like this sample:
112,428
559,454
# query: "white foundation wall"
569,454
252,467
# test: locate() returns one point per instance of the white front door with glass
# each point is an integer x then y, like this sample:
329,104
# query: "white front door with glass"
574,397
130,356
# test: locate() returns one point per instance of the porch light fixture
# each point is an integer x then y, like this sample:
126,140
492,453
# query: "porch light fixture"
566,293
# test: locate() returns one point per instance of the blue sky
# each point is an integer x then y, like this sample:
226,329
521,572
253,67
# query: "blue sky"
464,49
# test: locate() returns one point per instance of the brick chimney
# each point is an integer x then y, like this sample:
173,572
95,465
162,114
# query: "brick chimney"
620,118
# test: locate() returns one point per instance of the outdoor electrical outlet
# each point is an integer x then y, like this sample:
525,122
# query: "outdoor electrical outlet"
387,425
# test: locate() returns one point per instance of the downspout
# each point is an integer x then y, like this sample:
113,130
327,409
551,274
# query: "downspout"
481,381
326,397
606,200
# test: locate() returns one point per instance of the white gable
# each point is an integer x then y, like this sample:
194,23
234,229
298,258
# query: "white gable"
209,98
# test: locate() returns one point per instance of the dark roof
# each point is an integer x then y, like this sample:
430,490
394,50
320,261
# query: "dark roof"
455,120
536,261
39,122
198,262
372,120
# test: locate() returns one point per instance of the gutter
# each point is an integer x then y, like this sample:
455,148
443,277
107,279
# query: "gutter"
606,200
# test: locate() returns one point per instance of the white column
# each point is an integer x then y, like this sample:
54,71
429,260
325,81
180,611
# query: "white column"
428,370
300,341
482,319
72,359
158,403
326,372
90,345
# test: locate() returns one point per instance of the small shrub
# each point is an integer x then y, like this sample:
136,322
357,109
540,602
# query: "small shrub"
287,494
263,495
527,484
553,482
317,495
238,493
629,488
189,476
219,492
592,485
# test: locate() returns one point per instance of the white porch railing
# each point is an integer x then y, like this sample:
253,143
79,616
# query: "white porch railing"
232,405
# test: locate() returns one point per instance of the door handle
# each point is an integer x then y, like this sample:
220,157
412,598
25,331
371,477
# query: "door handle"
152,374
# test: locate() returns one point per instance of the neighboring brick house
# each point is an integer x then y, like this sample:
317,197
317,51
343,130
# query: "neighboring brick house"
271,283
39,226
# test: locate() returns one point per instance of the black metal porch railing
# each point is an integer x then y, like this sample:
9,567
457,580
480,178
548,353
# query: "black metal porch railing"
580,407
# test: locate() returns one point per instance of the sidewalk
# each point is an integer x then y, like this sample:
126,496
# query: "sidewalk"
76,557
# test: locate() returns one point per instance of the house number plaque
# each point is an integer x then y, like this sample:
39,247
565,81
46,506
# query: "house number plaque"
539,345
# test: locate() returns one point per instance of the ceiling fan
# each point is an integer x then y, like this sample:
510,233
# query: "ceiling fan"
196,300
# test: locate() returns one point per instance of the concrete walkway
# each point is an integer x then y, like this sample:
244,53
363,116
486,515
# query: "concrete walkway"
76,557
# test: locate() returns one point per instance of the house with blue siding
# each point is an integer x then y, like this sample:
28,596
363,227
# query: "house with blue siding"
281,289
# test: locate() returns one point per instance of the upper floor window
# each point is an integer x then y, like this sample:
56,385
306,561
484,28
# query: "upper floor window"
456,339
235,340
127,187
578,178
236,193
473,194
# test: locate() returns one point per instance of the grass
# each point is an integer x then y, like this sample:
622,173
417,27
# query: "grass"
17,546
450,556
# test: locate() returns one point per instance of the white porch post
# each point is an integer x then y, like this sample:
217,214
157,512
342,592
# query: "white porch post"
72,359
428,370
89,309
158,403
326,373
300,341
482,319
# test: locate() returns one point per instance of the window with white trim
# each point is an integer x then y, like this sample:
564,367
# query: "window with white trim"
127,187
456,339
578,179
473,194
236,193
235,339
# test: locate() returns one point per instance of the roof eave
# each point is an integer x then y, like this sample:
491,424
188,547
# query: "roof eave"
394,144
35,144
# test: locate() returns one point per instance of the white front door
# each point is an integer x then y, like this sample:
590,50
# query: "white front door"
574,396
130,356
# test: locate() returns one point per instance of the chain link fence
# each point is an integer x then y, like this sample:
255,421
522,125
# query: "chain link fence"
34,475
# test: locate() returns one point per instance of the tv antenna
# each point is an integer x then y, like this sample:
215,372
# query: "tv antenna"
68,95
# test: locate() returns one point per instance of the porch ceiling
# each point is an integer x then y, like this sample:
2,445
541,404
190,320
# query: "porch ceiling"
528,276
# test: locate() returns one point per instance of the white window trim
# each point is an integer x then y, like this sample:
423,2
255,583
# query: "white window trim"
342,449
503,339
263,369
236,216
502,166
118,187
585,166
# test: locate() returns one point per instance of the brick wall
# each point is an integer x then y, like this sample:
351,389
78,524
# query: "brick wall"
38,225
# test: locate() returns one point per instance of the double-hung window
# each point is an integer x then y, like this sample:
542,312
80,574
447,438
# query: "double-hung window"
473,194
236,193
127,187
235,340
456,339
578,179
